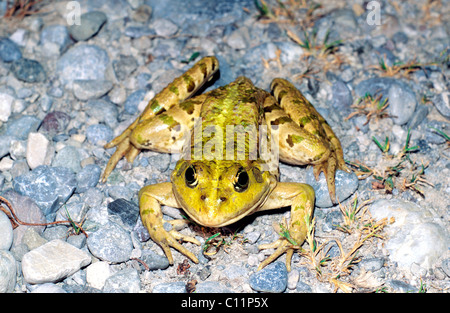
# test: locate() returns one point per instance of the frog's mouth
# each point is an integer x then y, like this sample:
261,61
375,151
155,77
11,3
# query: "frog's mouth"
215,215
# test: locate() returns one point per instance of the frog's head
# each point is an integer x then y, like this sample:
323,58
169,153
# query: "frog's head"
216,194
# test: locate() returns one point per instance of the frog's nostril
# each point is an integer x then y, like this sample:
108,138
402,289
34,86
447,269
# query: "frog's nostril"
223,199
203,197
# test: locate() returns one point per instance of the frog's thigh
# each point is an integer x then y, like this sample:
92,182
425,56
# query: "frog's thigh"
301,199
296,145
167,131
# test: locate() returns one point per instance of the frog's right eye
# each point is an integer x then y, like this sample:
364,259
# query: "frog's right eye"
190,176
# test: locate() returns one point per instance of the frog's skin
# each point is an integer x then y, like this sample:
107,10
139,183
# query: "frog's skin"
217,192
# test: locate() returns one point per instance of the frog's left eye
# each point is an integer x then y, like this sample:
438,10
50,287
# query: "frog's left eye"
241,180
190,177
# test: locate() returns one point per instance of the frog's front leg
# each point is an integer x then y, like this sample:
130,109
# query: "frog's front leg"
180,89
150,199
301,199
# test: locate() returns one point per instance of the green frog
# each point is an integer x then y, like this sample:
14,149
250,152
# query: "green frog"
221,179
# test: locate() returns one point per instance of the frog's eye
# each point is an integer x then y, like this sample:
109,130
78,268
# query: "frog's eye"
241,180
190,177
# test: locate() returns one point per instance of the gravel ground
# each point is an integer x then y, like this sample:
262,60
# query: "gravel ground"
378,72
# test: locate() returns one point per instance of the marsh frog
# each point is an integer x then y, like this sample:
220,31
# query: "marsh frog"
219,180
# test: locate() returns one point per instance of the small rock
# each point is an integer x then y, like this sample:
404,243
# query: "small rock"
48,288
29,71
341,96
6,232
402,103
173,287
104,111
99,134
39,150
414,237
56,34
6,104
90,24
133,100
272,278
97,274
52,262
32,239
239,38
5,143
446,266
49,187
124,281
293,277
111,243
91,89
346,184
7,272
55,122
26,210
401,286
82,62
22,126
124,66
154,261
442,103
126,210
164,27
9,51
68,157
303,287
372,264
88,177
211,287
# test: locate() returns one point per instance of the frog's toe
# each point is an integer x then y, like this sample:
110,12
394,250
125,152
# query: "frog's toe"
282,245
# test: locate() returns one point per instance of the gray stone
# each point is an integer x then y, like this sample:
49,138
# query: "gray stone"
272,278
124,281
48,288
9,51
442,103
91,88
88,177
90,24
173,287
82,62
30,71
53,262
49,187
402,103
22,126
7,272
111,243
56,34
99,134
346,185
68,157
414,237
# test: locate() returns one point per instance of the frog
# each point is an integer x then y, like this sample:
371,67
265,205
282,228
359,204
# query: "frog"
223,186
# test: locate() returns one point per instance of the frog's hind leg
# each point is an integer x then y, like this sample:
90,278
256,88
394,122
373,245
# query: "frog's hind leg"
301,199
322,145
179,90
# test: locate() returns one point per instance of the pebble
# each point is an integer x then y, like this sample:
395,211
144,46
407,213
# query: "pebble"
124,281
104,111
414,237
49,187
154,261
22,126
164,27
52,262
346,185
26,210
55,122
99,134
272,278
110,243
171,287
88,177
48,288
82,62
126,210
91,88
68,157
39,150
6,232
133,100
7,272
402,103
57,35
30,71
401,286
9,51
90,24
211,287
442,103
32,239
124,66
97,273
6,104
341,96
